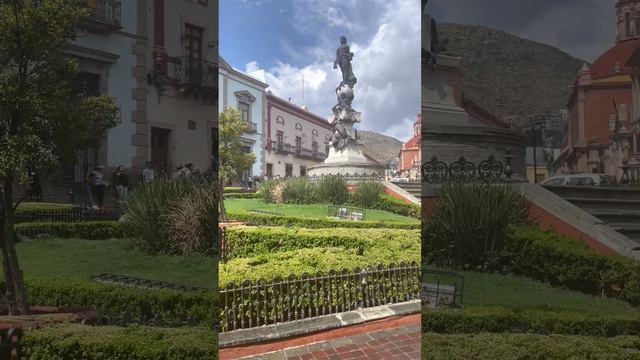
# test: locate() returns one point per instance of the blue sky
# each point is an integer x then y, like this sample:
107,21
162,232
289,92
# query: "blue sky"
288,38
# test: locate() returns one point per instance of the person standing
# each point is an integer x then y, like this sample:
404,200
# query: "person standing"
88,185
99,185
121,181
148,174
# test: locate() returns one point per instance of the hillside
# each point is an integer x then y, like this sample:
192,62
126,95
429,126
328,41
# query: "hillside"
510,75
381,147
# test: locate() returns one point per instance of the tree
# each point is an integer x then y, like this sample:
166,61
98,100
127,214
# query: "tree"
41,121
232,158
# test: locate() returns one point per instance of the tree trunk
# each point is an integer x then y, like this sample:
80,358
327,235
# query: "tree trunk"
15,282
9,294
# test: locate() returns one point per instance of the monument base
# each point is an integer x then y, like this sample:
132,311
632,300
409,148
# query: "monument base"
349,162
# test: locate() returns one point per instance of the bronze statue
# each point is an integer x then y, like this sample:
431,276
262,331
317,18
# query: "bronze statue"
434,45
343,58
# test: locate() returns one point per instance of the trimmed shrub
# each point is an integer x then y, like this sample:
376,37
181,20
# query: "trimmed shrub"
69,341
527,346
469,225
245,195
281,220
30,207
549,257
114,300
233,189
368,193
332,189
298,191
479,319
91,230
389,203
249,240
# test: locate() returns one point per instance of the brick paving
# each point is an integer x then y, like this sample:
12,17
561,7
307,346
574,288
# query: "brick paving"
399,343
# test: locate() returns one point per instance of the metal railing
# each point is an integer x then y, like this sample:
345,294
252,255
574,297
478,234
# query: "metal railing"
284,148
75,214
107,10
251,127
491,170
441,289
346,212
251,304
196,71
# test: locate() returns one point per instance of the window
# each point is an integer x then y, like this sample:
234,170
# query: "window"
288,169
303,171
269,171
298,145
244,110
627,20
191,125
326,149
214,149
87,84
279,139
193,38
246,149
637,22
314,148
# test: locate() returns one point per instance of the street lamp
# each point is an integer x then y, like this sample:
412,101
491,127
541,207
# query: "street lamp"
536,122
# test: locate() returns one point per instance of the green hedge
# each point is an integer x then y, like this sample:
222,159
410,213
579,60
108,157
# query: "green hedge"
549,257
278,220
527,346
242,195
250,240
92,230
113,300
30,207
479,319
116,343
396,206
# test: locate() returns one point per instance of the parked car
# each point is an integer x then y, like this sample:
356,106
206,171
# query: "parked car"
575,180
400,180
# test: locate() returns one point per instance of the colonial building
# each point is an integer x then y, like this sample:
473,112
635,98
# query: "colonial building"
245,93
158,59
410,154
600,134
296,139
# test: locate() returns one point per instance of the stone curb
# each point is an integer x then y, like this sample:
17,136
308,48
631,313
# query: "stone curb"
321,323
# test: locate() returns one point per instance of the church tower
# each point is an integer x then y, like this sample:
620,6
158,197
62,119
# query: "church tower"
628,14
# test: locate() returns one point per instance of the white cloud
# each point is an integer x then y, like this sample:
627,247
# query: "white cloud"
387,63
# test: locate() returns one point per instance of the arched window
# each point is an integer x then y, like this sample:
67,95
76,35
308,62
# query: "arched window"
298,127
280,120
314,132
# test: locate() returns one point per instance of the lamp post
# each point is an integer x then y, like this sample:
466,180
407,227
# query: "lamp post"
536,122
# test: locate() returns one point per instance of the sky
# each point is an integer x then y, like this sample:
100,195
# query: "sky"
582,28
289,38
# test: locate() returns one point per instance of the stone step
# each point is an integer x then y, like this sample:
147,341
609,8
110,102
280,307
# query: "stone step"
605,204
615,193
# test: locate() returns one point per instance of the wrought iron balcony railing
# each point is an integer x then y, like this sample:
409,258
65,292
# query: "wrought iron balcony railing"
109,11
193,71
284,148
251,127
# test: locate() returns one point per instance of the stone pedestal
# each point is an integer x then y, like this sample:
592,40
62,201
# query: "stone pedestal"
448,131
348,161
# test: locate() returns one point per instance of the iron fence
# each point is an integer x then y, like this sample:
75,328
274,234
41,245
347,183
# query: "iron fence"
75,214
441,289
251,304
491,170
10,347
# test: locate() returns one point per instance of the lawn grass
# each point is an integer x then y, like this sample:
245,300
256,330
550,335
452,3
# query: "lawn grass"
83,258
521,293
312,211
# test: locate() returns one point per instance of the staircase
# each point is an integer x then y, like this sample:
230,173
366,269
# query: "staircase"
414,188
619,208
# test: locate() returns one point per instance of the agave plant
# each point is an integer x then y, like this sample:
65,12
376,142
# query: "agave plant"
470,223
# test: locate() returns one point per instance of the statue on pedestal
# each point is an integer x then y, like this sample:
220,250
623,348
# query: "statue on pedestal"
344,116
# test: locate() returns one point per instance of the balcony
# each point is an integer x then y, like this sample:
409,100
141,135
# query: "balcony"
192,77
251,127
286,149
105,16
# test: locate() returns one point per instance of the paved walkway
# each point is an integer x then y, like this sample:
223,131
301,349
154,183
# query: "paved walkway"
400,340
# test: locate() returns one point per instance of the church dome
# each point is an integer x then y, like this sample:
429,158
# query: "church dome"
613,61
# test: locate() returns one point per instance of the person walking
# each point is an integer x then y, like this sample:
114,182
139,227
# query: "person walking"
121,181
88,184
148,174
99,185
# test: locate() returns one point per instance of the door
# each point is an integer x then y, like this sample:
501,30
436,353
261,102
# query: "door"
160,148
269,171
193,49
288,170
